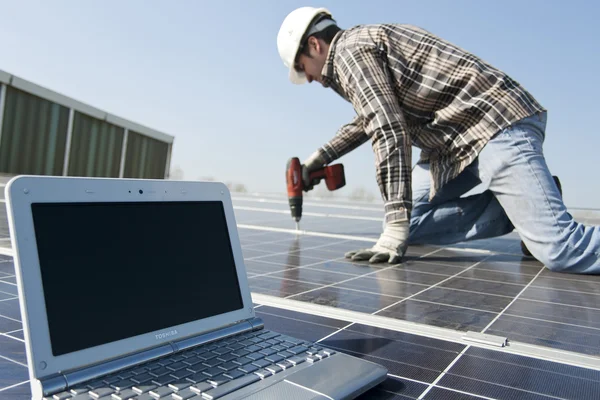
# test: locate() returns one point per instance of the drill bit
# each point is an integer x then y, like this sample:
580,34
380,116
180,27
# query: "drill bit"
297,225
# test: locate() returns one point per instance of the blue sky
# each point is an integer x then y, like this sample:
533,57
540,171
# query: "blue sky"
209,74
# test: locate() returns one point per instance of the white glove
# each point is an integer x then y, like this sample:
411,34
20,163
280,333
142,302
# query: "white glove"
312,163
390,247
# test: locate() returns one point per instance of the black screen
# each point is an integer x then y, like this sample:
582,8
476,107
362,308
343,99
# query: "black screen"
115,270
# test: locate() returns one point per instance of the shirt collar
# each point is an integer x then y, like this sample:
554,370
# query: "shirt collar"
327,73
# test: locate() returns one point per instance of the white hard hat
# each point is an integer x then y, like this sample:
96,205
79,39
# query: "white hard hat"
292,31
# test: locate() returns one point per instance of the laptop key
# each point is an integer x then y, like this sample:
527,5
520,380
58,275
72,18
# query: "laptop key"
298,349
122,385
125,374
278,347
329,352
161,392
255,356
285,364
197,368
262,363
62,395
286,354
230,386
139,370
184,394
219,380
235,346
243,361
101,392
268,335
207,356
214,371
163,380
228,366
153,366
179,385
263,373
227,357
248,368
212,363
184,373
165,362
274,358
240,353
268,351
201,387
177,366
236,373
193,360
79,390
142,378
125,394
274,368
144,388
111,379
290,339
253,348
160,372
221,351
145,396
297,360
95,384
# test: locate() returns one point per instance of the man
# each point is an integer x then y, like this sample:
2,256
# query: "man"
472,122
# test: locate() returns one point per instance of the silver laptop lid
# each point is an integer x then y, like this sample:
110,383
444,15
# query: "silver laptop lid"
108,267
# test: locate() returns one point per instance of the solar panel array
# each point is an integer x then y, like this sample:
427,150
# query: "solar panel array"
485,286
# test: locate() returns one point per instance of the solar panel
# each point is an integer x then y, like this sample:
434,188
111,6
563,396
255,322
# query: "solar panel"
484,286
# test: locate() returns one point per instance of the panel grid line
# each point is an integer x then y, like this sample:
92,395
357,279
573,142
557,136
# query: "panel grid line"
512,302
432,286
356,277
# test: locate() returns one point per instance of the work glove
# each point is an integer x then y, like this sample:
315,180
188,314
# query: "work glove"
390,247
312,163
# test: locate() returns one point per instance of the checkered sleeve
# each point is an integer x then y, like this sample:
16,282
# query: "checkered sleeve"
347,138
369,85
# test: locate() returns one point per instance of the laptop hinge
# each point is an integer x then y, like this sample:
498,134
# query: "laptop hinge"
48,386
257,323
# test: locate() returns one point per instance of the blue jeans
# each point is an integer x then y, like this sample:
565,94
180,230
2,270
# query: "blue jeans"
520,194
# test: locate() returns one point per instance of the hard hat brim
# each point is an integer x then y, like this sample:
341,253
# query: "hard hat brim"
297,78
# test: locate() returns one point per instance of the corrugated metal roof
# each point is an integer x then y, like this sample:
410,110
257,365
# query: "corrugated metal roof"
53,96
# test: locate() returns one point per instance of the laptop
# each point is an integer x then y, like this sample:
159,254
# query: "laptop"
137,289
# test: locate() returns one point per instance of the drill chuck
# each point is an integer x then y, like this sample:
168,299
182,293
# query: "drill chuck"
296,207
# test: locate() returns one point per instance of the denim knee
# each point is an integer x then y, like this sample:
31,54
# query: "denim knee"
563,258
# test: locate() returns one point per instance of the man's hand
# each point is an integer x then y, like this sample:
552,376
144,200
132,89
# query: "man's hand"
390,247
312,163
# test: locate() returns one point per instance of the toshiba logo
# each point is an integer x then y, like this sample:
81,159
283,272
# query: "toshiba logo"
166,334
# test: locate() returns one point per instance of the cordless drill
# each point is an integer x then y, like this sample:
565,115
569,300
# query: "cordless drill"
333,175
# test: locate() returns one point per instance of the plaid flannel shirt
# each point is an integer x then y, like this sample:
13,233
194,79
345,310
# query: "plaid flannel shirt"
411,88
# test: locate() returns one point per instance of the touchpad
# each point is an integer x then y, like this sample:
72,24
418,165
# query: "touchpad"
286,390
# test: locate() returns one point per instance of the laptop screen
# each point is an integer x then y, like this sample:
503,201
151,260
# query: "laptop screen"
115,270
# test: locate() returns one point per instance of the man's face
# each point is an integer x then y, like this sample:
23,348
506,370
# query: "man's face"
312,64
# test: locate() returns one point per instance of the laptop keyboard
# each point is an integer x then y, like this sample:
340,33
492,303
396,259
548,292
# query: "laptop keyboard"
205,372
